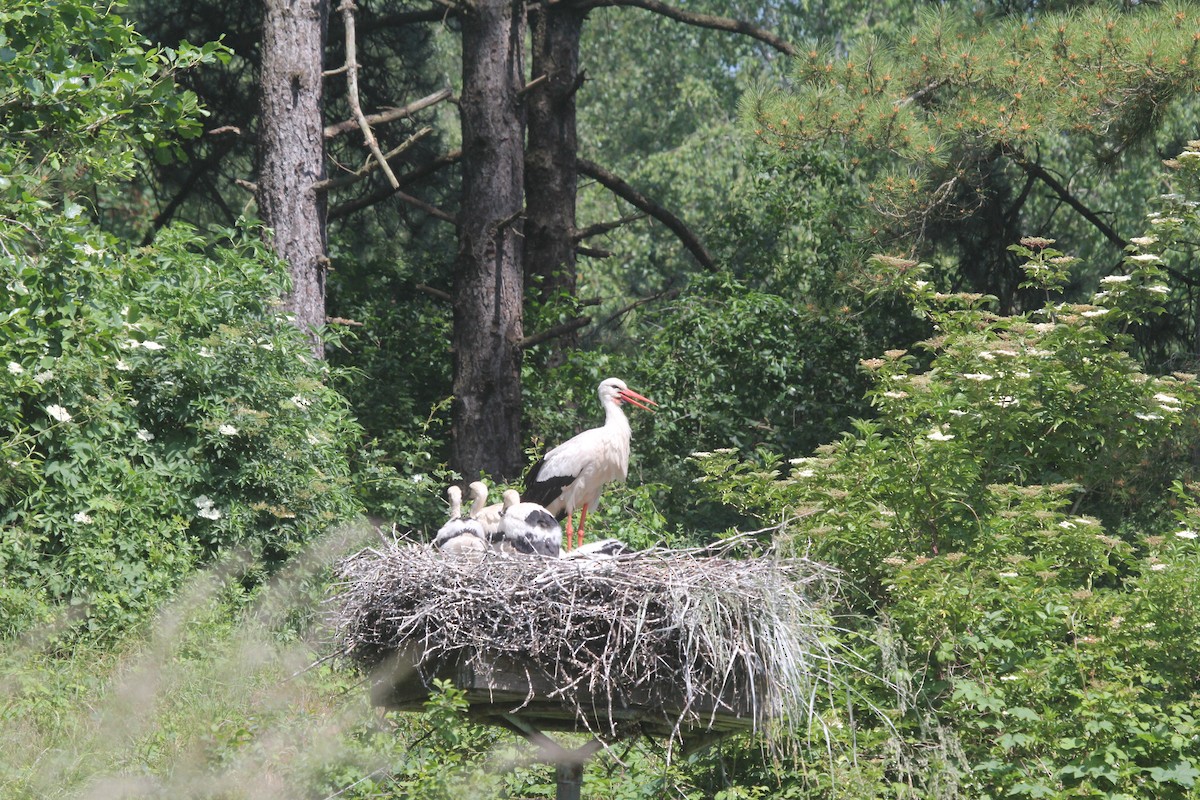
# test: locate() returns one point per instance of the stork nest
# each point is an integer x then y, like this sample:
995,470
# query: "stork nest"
749,639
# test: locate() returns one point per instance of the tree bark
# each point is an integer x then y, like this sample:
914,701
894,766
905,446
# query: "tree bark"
292,155
551,172
488,278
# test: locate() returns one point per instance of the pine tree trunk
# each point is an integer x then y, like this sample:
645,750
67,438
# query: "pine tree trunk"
551,173
488,279
291,155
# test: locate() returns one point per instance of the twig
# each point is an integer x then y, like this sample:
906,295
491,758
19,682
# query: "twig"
599,228
702,21
343,181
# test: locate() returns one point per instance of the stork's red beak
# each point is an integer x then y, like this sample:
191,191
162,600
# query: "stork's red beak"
633,398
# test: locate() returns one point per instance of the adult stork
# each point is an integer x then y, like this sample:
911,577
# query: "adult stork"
570,476
528,528
460,534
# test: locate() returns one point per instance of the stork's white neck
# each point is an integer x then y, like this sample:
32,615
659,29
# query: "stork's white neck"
614,417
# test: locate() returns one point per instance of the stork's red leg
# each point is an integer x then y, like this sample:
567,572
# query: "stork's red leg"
570,542
582,517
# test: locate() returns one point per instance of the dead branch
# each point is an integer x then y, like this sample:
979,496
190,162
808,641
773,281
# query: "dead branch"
435,292
604,227
626,192
554,332
1064,194
391,115
347,8
533,84
352,178
594,252
383,193
702,21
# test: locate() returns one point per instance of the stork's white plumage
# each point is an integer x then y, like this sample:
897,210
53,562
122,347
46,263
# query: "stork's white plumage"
488,516
605,548
458,527
570,476
528,528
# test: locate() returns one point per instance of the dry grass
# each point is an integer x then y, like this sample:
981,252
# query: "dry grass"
743,637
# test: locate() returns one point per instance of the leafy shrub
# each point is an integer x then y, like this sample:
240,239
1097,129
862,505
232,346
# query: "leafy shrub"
1021,513
159,410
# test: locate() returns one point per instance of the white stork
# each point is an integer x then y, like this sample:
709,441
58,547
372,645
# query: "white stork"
460,534
571,475
528,528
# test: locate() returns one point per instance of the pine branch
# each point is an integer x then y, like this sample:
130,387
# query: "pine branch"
1036,170
554,332
352,178
425,170
604,227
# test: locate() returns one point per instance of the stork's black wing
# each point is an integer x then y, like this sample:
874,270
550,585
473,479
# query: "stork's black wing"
544,492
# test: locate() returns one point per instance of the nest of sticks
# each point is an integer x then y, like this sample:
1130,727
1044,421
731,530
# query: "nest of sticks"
695,633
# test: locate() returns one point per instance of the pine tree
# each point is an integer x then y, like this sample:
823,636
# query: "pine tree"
958,117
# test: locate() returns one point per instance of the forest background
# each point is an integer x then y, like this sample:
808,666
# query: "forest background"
915,289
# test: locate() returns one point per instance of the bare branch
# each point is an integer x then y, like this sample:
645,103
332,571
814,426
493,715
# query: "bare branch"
391,115
604,227
431,210
435,292
594,252
347,8
701,21
1064,194
554,331
408,17
669,293
533,84
354,177
351,206
639,200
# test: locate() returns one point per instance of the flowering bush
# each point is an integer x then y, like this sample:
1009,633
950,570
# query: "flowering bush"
157,410
1022,514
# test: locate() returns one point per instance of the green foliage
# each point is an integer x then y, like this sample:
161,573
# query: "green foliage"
80,96
952,84
1020,514
160,410
966,130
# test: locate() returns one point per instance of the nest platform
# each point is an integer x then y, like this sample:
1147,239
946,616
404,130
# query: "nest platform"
686,644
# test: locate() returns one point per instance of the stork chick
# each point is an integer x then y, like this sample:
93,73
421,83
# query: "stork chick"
460,534
528,528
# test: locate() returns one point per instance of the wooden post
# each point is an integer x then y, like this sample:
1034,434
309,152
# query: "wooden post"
568,764
569,779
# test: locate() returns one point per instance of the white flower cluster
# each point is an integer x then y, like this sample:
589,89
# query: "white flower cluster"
58,412
149,344
938,435
205,507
